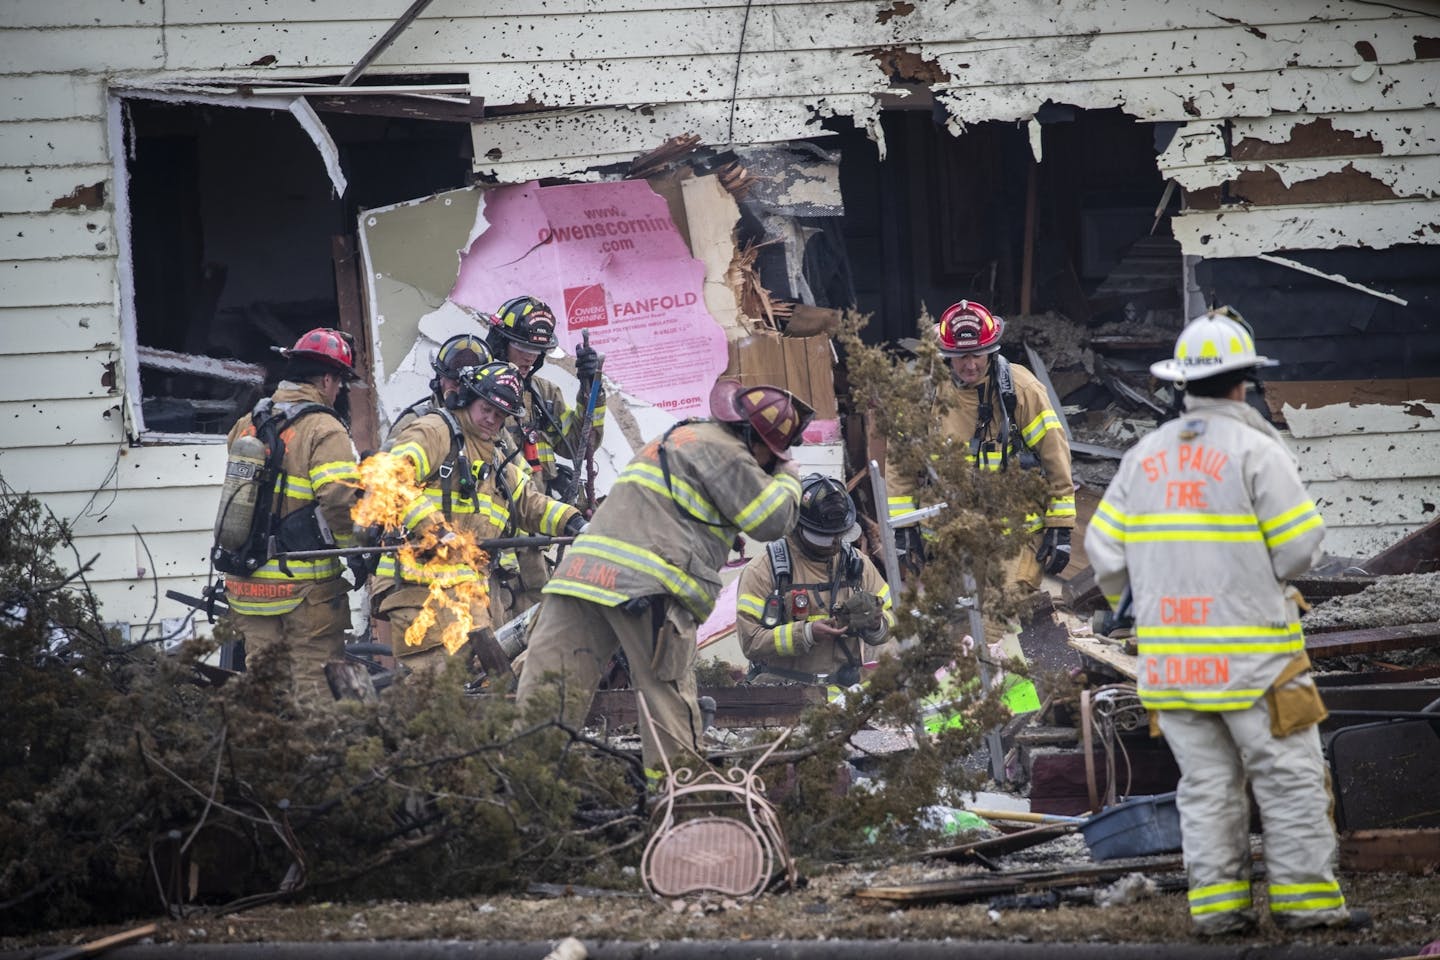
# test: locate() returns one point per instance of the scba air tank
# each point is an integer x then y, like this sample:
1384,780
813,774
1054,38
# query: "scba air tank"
239,493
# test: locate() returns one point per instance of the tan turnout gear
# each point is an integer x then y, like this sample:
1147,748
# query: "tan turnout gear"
649,566
1203,523
319,470
824,586
1036,427
524,571
500,498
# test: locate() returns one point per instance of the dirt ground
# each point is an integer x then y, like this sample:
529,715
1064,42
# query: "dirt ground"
1407,912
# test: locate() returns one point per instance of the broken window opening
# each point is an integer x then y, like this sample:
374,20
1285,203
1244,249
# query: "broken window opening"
945,217
236,239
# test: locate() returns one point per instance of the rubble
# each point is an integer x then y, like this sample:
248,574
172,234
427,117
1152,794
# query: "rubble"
1389,601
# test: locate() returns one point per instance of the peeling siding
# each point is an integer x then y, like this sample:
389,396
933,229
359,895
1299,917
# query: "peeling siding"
1371,469
1246,231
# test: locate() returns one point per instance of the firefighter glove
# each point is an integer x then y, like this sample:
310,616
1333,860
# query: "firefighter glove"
863,616
575,525
587,362
1054,552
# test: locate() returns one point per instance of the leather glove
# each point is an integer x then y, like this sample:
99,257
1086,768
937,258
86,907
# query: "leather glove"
1054,551
587,362
576,525
863,616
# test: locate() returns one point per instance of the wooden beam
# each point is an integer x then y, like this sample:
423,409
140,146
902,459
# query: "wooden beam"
403,107
1415,553
1000,846
1384,851
1316,589
982,888
1344,643
1027,262
349,304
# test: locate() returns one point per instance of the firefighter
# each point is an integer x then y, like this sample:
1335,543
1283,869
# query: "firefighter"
304,606
812,608
467,487
646,572
522,332
1003,414
455,354
1204,523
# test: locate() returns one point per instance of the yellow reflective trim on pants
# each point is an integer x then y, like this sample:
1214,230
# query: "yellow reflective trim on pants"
1220,898
1320,895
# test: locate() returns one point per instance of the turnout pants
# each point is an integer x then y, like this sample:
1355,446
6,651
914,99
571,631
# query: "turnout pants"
572,640
1217,752
314,633
402,606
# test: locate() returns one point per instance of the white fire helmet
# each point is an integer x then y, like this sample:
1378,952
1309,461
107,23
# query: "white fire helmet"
1216,343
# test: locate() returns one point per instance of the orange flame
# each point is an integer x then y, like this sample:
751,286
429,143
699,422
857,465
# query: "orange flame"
390,490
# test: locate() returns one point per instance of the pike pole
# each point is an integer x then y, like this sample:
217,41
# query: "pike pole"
495,543
587,428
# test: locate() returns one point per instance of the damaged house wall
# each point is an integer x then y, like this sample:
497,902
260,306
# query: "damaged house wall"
1298,128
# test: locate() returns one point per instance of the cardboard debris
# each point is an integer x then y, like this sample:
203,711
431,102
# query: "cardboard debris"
802,365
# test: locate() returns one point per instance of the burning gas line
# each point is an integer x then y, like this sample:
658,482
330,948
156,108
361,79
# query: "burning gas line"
390,492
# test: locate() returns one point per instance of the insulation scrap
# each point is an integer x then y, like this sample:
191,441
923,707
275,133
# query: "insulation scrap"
1389,601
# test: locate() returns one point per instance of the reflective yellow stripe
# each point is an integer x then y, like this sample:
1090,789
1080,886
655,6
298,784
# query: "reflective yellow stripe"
263,608
342,471
1292,523
785,639
550,522
750,605
323,569
644,562
1322,895
1204,700
415,453
899,505
445,573
1061,507
779,491
296,488
1044,422
1211,639
1220,898
652,478
585,591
